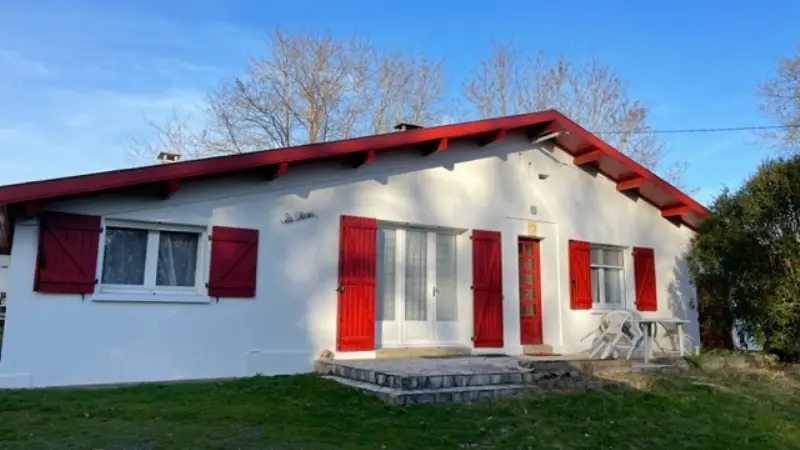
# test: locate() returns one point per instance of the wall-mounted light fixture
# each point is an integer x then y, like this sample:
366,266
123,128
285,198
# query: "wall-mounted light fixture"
547,137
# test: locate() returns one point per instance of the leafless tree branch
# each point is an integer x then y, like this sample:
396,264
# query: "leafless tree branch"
780,101
508,81
308,88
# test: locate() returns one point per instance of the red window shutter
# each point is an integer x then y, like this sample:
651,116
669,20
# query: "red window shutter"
234,260
580,274
67,254
487,289
356,290
644,276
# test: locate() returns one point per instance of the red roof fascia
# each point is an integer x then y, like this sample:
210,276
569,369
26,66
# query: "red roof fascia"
588,140
576,140
82,184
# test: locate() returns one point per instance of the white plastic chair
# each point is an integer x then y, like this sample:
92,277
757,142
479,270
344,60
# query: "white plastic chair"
618,327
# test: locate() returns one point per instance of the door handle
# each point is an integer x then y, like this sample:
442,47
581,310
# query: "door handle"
435,291
340,288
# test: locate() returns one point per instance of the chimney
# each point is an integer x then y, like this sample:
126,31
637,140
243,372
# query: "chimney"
168,157
404,126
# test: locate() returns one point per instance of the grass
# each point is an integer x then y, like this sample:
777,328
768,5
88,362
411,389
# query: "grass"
718,409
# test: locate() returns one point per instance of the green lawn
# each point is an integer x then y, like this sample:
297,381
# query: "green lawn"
723,410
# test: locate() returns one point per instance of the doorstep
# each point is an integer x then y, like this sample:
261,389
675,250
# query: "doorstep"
538,350
416,352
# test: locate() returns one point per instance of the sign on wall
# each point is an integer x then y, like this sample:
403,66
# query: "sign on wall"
531,225
297,217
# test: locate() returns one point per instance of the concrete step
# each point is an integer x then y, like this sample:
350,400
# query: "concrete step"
459,394
415,352
455,379
540,349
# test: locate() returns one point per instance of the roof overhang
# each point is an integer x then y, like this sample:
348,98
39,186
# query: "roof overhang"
588,151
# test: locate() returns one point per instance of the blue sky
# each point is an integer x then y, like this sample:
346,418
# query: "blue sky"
77,77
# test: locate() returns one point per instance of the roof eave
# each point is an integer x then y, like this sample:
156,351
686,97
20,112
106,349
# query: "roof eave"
584,146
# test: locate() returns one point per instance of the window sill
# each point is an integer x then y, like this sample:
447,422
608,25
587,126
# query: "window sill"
151,298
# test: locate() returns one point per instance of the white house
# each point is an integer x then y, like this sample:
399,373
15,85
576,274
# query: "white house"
488,236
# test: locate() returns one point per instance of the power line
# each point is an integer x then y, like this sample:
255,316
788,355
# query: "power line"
706,130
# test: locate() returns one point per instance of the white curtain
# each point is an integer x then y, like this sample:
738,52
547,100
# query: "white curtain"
385,276
608,276
613,281
416,304
124,256
446,305
177,259
596,280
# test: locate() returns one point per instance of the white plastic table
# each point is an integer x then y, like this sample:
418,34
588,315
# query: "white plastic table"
646,323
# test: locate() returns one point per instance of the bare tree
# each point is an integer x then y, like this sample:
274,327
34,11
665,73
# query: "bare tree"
173,135
509,81
780,101
308,88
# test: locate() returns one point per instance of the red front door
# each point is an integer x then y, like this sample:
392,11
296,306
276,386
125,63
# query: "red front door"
530,295
356,305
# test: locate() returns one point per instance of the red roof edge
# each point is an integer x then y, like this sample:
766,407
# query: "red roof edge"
573,139
633,166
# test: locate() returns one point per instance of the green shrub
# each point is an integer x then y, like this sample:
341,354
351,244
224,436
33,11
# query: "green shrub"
749,248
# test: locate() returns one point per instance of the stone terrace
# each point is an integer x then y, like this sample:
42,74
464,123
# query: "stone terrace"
461,379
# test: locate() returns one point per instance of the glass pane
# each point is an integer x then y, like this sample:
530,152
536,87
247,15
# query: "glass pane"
416,275
529,294
597,255
124,256
177,259
596,285
612,257
527,309
446,304
385,284
528,278
613,286
529,264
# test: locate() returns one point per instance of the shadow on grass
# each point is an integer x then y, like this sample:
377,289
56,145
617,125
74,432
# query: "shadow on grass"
312,413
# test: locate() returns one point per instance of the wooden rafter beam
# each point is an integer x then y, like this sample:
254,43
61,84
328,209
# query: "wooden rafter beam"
361,158
629,184
590,157
674,210
170,188
434,146
276,170
491,137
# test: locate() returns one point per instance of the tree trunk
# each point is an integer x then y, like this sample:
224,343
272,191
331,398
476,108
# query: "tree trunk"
714,316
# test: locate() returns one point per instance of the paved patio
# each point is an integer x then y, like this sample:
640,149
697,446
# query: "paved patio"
467,378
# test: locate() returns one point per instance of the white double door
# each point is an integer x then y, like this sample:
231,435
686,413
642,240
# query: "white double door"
416,287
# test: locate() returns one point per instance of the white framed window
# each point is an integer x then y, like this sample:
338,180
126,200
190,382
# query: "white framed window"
140,261
608,276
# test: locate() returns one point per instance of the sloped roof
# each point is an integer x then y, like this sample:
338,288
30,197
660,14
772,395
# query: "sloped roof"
587,149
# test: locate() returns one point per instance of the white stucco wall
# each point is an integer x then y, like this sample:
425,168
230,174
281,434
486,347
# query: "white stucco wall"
66,339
